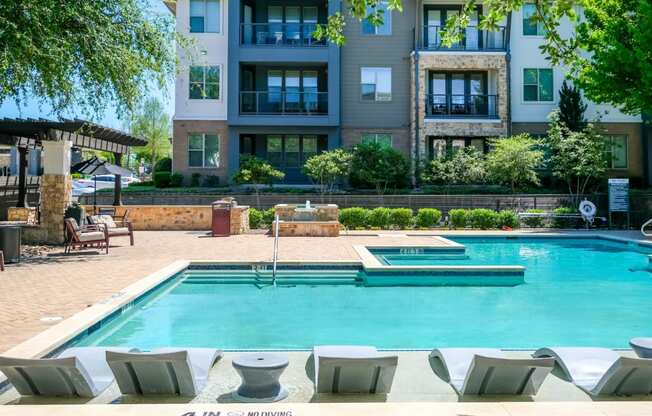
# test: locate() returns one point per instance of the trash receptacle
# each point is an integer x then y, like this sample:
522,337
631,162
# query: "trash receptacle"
221,219
10,240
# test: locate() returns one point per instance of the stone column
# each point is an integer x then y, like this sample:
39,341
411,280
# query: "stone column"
56,189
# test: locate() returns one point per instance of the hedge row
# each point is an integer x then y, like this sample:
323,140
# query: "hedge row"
402,218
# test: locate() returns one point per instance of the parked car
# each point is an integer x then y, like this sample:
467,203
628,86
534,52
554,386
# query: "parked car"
79,189
106,181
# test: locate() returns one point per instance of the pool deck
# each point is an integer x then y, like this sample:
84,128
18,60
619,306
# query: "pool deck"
59,286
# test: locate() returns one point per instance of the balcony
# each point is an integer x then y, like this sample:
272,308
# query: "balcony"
308,103
280,35
475,40
462,106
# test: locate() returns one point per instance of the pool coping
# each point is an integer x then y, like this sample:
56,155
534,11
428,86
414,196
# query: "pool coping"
55,337
478,408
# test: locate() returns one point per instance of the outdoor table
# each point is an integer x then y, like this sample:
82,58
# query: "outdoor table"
260,374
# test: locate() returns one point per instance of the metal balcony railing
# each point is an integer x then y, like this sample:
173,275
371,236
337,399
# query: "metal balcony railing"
280,34
461,106
474,39
284,102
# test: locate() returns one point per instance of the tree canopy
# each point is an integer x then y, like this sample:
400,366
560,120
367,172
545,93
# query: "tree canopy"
152,123
83,54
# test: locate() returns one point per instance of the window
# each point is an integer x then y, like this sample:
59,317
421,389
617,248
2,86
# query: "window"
204,16
203,150
204,82
383,29
530,27
382,139
376,84
617,151
275,150
537,85
309,147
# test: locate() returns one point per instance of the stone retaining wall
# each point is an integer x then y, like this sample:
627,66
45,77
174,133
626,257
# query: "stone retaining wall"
180,217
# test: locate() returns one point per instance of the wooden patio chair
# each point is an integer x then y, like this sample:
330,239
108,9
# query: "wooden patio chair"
115,226
87,236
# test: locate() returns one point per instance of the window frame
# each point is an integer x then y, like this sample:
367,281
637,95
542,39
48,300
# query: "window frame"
540,29
538,85
610,151
205,17
203,151
376,70
204,83
387,21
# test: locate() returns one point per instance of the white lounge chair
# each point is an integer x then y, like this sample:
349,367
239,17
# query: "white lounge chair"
353,369
173,371
488,371
79,371
601,371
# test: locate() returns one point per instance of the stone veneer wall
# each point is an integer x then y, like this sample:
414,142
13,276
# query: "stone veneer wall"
459,61
180,217
27,215
323,212
56,192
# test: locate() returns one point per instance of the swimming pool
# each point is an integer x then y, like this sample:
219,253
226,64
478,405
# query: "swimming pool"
578,292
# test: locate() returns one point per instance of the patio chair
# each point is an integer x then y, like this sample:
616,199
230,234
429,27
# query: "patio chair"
479,371
79,372
601,371
172,371
87,236
116,227
353,369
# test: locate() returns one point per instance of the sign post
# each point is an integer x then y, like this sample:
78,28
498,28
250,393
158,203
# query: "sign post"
618,198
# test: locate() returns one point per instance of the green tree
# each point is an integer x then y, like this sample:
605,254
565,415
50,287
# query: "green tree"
576,157
571,107
152,123
256,171
83,54
379,167
514,160
328,168
463,167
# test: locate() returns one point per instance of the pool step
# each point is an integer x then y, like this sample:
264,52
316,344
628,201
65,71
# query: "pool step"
282,278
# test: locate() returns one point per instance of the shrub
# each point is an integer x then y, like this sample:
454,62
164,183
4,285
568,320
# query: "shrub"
483,219
564,222
507,218
195,179
255,218
428,217
163,165
514,161
211,181
162,179
353,218
463,167
143,183
176,180
534,222
378,167
328,168
379,217
401,218
458,218
268,217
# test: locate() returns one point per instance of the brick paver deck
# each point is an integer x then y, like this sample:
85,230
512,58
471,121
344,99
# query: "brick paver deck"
60,285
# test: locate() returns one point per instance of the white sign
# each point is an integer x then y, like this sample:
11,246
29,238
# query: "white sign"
618,195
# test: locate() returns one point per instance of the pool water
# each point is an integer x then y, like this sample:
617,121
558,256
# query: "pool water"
578,292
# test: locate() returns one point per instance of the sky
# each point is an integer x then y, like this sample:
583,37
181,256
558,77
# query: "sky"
35,108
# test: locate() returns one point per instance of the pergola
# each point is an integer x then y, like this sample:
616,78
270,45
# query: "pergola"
28,134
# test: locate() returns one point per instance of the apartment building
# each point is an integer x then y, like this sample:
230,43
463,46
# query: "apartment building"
258,82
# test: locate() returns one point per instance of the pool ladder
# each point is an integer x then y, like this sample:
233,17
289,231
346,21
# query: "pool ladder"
275,255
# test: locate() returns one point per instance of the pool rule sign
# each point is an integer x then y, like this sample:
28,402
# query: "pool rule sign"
618,197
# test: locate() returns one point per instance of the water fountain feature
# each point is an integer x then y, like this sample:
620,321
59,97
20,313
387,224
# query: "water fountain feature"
308,220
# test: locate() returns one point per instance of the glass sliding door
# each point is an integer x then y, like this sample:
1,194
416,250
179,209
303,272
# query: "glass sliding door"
292,91
275,24
275,150
438,98
458,91
433,26
274,102
310,18
310,95
292,151
478,102
293,24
